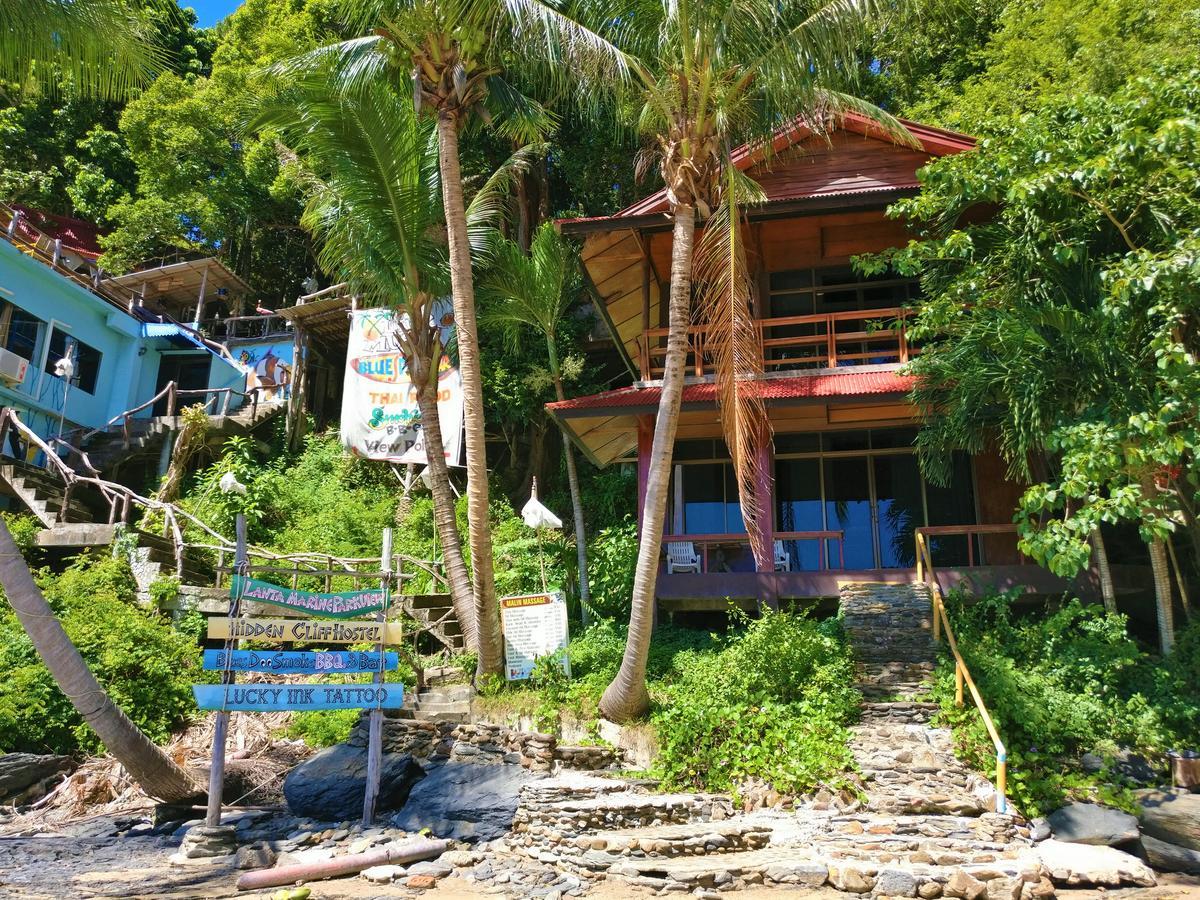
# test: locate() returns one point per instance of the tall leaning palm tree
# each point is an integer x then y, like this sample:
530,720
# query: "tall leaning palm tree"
709,75
535,291
369,170
105,47
155,772
451,54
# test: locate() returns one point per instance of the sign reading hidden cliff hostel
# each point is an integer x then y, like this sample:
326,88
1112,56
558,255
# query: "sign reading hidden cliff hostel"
335,606
297,662
535,625
274,698
304,631
380,417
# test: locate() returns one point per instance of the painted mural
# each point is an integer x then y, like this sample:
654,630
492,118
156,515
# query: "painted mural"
268,366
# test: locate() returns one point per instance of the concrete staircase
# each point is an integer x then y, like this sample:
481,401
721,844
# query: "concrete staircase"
446,697
434,613
42,494
153,558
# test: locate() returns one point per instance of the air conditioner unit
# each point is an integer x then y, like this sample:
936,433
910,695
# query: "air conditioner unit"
12,368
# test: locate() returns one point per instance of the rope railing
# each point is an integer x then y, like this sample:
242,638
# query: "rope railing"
962,674
121,500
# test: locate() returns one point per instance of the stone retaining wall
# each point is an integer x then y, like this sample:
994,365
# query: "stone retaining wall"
485,742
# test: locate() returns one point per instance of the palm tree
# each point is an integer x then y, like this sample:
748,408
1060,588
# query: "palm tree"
453,52
712,74
106,47
535,291
374,207
155,772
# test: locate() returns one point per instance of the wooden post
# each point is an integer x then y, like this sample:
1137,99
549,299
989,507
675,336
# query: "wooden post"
200,298
375,732
645,445
216,774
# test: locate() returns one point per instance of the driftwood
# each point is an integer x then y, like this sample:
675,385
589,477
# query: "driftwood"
397,854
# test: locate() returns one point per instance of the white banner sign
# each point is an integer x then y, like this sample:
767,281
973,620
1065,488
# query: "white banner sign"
380,417
535,625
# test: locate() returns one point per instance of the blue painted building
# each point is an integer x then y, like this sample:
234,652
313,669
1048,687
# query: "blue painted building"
74,352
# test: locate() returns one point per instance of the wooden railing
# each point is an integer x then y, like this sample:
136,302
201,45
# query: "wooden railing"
704,541
171,392
826,341
942,626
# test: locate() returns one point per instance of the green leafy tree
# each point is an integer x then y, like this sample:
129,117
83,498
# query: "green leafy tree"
1061,322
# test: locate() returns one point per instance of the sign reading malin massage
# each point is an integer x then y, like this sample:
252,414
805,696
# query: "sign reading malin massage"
304,631
535,625
276,698
297,662
346,605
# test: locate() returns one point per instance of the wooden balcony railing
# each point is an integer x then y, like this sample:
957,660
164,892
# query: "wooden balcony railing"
941,626
705,541
826,341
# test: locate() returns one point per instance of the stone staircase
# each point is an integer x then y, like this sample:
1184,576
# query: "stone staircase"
434,613
153,558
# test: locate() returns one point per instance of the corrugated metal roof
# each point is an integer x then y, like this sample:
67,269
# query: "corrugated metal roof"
851,384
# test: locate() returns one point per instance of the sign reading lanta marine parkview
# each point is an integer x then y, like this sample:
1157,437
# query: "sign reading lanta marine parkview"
535,625
345,605
380,417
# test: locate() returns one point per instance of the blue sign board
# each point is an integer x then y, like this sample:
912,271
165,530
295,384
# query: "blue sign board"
281,697
296,662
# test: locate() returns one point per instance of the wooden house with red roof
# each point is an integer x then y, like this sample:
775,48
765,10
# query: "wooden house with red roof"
847,493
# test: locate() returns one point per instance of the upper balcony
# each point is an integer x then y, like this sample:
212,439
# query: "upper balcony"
798,343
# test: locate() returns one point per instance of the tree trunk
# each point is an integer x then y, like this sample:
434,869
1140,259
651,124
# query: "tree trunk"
576,497
154,771
626,698
1104,572
1163,597
461,596
487,610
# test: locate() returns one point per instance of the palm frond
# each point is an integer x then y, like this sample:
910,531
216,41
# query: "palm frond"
492,200
105,47
529,291
725,287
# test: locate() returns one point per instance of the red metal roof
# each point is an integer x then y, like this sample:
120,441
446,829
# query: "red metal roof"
76,235
850,384
842,167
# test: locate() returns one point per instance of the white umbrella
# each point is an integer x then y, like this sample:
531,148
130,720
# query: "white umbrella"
536,515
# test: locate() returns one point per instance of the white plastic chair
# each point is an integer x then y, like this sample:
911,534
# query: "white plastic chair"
783,562
682,557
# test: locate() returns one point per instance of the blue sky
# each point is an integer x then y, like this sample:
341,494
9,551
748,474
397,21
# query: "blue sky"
210,12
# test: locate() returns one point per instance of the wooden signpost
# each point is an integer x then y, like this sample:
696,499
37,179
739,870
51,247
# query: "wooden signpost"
233,629
299,662
332,606
280,697
305,631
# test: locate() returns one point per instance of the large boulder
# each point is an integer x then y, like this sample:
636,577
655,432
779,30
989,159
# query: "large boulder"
1080,864
1171,816
1090,823
1170,857
1125,763
330,786
464,801
27,777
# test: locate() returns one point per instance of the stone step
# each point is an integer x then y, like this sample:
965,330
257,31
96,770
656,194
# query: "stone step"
618,810
801,867
601,850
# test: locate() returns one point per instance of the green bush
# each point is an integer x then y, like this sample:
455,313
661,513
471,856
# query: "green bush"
612,555
772,704
1061,684
322,727
24,530
145,665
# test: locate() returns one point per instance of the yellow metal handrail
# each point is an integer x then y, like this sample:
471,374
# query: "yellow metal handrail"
926,573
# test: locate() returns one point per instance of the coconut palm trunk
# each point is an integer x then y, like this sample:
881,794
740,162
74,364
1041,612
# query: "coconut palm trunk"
487,610
461,597
1104,572
1163,595
585,596
626,698
155,772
